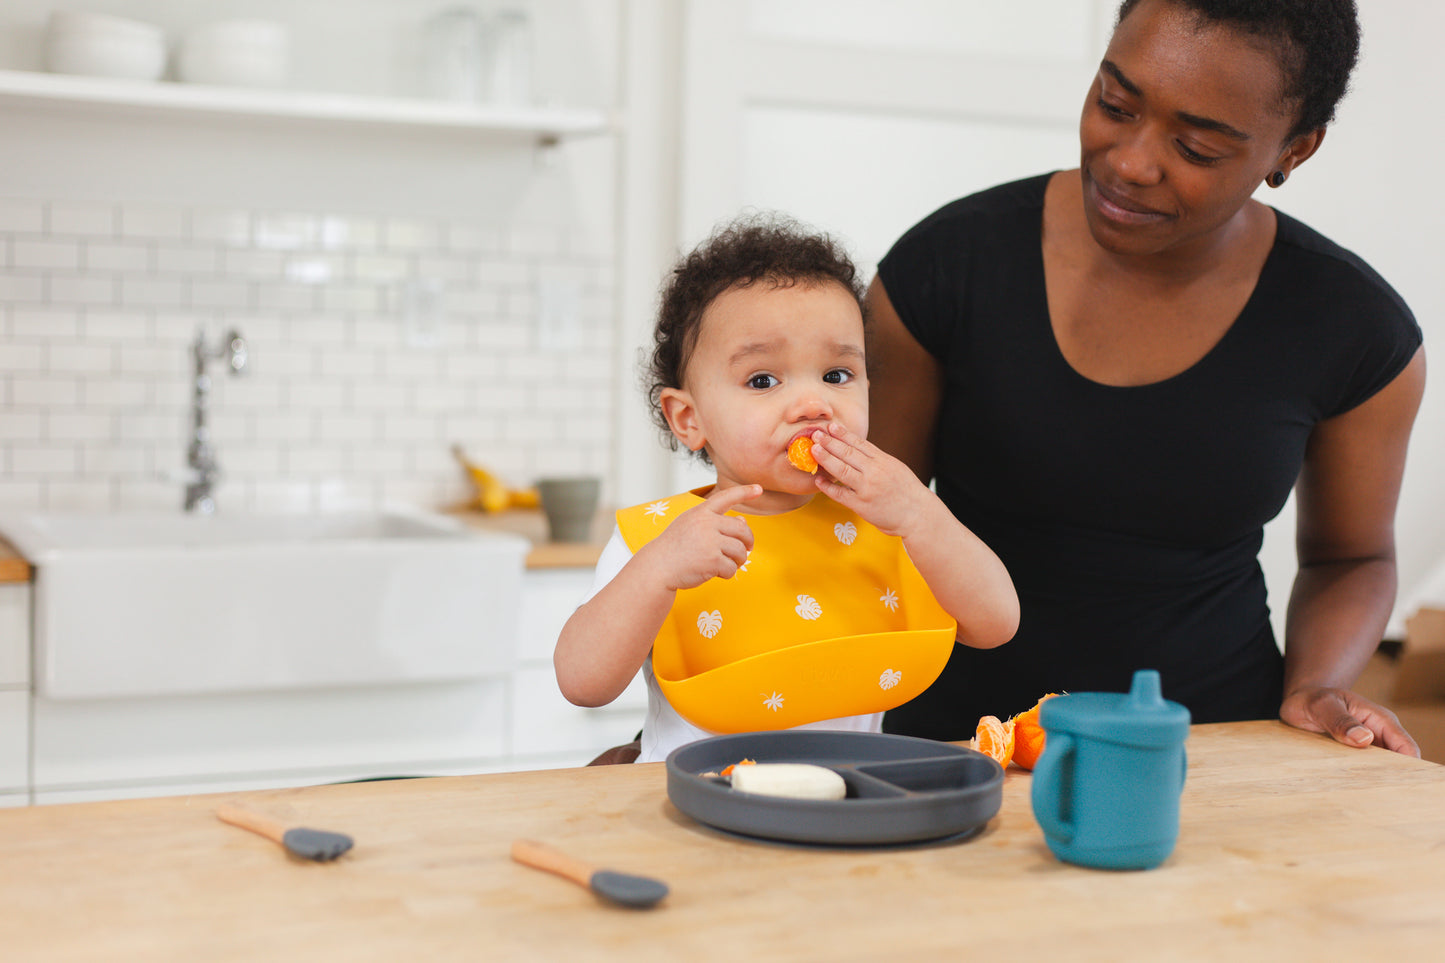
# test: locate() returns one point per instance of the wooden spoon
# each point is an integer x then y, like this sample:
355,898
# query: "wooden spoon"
636,891
317,844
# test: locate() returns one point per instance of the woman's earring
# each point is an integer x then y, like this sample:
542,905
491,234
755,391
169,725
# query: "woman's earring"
1276,179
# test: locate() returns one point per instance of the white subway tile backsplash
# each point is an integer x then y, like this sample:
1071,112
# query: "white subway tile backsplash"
95,290
315,460
410,234
22,358
380,268
174,258
349,234
147,221
61,459
83,358
442,397
83,218
253,264
286,297
372,395
146,291
44,253
229,227
346,298
32,392
111,325
102,459
220,293
405,427
22,288
346,427
115,393
20,216
118,256
20,425
350,397
152,359
286,232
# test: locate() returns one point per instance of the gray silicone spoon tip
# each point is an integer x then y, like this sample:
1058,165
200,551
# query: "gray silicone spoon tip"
314,844
623,889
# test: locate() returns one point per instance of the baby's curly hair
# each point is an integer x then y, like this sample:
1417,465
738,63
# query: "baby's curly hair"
769,247
1317,43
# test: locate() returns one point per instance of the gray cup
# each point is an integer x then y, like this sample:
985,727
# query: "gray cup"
570,504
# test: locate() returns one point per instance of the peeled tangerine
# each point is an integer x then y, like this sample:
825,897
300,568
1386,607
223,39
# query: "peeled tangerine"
995,739
1019,740
800,455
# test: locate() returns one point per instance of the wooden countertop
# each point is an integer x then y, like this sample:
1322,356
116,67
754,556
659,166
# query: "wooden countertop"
13,568
1291,847
532,524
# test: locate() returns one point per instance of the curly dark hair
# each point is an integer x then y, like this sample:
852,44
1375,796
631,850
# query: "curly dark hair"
768,247
1317,43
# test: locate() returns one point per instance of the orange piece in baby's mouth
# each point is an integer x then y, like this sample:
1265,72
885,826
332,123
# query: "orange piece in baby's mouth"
800,455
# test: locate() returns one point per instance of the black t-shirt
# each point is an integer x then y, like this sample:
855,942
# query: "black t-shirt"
1129,517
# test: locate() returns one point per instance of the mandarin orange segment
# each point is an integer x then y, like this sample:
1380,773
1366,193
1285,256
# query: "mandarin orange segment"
995,739
1029,735
800,455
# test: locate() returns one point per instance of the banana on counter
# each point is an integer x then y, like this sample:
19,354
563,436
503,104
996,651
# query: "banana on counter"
493,495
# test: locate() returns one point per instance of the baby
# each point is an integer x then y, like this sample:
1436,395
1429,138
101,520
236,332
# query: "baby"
760,343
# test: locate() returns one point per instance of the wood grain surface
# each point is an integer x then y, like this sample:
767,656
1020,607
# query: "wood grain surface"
13,568
1291,847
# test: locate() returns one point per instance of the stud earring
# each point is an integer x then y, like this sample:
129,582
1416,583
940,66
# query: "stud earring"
1276,179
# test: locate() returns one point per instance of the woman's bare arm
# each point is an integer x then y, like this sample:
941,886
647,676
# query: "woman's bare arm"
905,387
1345,589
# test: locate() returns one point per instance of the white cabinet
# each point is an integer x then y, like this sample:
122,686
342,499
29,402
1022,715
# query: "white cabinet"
546,728
14,693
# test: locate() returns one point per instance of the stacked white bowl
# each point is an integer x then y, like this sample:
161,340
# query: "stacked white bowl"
241,53
99,45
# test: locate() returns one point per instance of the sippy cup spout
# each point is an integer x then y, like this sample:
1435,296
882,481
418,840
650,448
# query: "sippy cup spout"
1146,692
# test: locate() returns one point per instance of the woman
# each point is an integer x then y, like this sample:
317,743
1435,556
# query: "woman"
1117,374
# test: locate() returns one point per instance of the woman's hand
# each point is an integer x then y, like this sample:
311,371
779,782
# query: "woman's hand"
1347,718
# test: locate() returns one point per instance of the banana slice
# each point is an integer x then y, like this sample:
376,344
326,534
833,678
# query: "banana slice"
794,780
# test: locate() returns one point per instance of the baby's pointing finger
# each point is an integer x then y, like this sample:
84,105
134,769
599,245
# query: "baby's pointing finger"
723,500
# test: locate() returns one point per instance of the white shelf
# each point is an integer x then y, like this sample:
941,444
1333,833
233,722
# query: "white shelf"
541,125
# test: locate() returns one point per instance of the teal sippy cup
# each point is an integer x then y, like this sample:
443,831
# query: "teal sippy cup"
1106,789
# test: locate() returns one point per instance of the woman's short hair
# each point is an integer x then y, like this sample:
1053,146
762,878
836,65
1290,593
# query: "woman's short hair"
768,247
1317,42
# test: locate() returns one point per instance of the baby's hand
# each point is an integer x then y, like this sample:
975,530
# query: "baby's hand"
705,542
859,475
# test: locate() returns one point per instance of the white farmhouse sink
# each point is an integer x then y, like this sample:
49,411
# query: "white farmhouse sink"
152,604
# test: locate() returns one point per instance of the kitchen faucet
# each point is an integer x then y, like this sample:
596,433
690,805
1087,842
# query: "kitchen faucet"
200,456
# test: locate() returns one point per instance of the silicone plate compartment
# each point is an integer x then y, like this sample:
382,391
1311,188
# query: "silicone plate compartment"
900,789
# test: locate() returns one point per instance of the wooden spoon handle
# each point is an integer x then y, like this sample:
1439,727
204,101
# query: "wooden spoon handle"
542,857
263,825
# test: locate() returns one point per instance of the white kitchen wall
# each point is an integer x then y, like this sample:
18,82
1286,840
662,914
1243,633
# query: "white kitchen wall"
123,234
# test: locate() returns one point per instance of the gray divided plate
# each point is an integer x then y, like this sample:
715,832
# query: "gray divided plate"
900,789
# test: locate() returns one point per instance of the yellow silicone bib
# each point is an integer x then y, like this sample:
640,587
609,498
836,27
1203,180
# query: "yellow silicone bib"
828,618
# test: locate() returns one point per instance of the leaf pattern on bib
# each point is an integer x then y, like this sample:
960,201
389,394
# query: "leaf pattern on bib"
709,623
889,678
808,608
845,532
656,510
889,598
